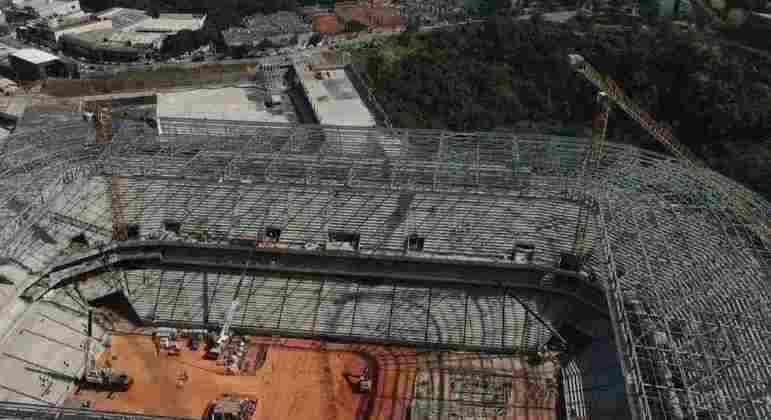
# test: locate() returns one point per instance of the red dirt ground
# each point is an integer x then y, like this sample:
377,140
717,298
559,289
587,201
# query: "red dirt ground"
302,379
301,383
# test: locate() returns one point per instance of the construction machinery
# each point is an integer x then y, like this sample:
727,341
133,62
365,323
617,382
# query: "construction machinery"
740,202
362,382
590,164
106,379
216,351
231,407
101,114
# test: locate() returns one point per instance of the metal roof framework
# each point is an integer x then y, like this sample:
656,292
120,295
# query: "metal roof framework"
687,284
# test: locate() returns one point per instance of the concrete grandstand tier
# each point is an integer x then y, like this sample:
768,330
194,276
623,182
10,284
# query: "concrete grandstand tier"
686,284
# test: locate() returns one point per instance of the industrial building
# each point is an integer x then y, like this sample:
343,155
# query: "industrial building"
223,104
168,23
331,95
372,17
279,29
45,8
325,23
109,45
129,34
32,64
49,31
122,18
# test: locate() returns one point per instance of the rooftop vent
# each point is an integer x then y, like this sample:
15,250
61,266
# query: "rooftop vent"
569,262
272,234
79,240
343,241
132,231
414,242
172,226
523,253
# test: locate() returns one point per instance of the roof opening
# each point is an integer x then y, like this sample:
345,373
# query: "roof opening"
343,241
414,242
569,262
523,253
172,226
132,231
272,234
79,240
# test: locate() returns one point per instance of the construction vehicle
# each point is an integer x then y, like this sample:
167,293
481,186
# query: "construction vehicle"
231,407
362,382
106,379
215,350
740,202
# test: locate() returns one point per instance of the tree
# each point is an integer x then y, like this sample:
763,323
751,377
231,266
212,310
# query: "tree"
356,26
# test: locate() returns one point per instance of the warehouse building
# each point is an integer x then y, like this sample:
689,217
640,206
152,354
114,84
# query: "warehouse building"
49,31
225,104
376,18
122,18
47,8
32,64
331,95
278,29
325,23
133,35
104,45
168,23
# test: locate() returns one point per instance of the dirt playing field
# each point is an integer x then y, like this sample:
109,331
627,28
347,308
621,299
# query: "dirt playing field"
294,382
305,379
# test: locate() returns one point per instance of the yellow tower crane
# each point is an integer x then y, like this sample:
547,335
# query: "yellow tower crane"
589,165
739,201
104,135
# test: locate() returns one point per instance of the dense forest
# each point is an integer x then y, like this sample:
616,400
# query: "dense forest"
502,74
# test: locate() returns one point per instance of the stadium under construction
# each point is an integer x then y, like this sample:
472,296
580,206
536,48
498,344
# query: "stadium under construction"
428,240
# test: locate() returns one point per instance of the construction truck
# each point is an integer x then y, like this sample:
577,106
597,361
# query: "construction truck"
215,349
106,379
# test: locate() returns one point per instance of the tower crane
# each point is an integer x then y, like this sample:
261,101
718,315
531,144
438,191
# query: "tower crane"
589,165
740,202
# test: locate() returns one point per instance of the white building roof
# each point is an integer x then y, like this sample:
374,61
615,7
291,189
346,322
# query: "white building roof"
46,8
34,56
232,103
169,23
333,98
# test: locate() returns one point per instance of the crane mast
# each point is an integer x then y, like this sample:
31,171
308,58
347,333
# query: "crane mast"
582,246
740,202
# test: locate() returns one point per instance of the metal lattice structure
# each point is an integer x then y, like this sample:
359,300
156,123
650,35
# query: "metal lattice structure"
687,284
42,412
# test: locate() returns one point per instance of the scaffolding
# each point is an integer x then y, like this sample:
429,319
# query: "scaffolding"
685,281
